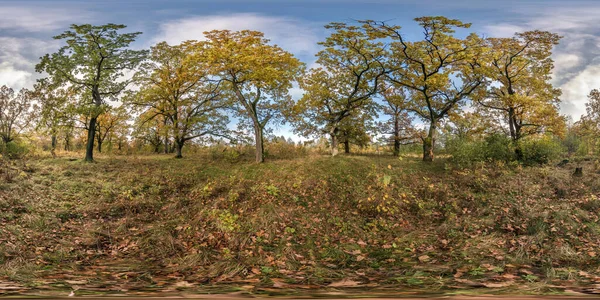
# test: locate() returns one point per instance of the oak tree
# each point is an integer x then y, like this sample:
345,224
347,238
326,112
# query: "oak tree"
519,70
257,75
399,126
178,86
441,69
17,111
93,60
344,85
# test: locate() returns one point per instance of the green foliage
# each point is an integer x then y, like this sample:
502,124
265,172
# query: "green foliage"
493,148
14,149
540,150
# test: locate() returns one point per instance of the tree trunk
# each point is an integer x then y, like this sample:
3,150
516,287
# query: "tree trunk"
157,148
429,142
53,146
166,137
179,147
334,142
67,142
396,136
258,138
99,143
89,148
346,147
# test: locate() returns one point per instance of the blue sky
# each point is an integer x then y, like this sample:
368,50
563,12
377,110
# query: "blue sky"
26,28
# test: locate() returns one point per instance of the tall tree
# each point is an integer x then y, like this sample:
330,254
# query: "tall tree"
343,87
258,75
177,85
519,70
441,70
399,125
93,60
16,112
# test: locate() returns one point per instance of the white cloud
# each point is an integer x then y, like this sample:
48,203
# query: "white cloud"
18,57
502,30
578,88
296,36
39,18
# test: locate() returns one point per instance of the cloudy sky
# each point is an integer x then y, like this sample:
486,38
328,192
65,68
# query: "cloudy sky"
27,27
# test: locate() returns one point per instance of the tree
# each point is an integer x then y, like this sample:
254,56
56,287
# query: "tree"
356,130
93,61
108,122
177,85
257,75
588,126
470,125
17,111
399,125
352,65
441,70
519,70
55,109
150,130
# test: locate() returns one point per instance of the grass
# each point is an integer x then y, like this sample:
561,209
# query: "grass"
151,221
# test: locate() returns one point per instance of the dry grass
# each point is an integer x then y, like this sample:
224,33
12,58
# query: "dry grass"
310,220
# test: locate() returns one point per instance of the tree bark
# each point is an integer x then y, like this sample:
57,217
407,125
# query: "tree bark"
334,142
89,148
179,148
346,147
396,136
258,138
429,142
99,138
67,142
53,146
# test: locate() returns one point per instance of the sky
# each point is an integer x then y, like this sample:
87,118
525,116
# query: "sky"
27,28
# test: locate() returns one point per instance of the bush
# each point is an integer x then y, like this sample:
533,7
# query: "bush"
14,150
540,150
465,153
499,147
493,148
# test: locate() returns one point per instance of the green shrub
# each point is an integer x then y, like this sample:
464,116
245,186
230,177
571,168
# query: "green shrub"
498,147
540,150
493,148
14,150
466,153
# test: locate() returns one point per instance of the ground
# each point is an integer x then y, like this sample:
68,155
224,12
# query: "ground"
311,225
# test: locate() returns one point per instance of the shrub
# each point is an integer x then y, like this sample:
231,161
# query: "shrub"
465,153
498,147
14,150
495,147
540,150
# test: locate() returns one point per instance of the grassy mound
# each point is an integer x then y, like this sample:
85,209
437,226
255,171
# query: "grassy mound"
353,221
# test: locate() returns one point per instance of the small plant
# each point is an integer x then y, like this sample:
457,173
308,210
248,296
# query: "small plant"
272,190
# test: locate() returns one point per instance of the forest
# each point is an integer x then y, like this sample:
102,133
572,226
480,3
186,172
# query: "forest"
426,165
